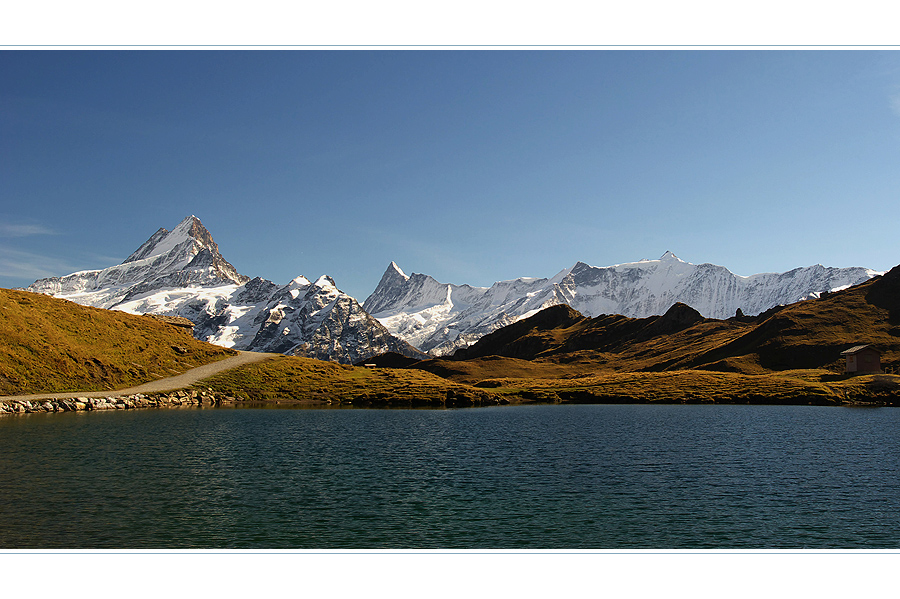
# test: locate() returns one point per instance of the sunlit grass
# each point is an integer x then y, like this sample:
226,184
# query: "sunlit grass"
817,387
53,345
305,379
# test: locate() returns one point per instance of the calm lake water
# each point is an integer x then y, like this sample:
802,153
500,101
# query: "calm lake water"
579,476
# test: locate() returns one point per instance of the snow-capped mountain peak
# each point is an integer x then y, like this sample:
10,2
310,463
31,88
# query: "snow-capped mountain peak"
440,318
182,273
325,283
670,256
392,282
185,256
396,269
190,235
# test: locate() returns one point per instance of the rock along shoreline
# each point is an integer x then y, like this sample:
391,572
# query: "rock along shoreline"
208,398
169,399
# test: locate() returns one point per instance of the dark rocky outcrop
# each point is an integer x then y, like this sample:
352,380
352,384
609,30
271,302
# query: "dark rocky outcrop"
175,321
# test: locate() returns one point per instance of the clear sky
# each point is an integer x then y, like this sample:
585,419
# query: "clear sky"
470,166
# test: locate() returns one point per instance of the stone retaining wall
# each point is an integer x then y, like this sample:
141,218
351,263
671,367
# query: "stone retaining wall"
127,402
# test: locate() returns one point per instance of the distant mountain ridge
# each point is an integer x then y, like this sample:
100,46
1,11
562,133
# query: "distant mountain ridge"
182,273
440,318
803,335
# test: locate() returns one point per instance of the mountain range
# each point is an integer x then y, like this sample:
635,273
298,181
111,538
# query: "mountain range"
559,342
182,273
440,318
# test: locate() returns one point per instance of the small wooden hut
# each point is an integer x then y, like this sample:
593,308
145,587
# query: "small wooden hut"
862,359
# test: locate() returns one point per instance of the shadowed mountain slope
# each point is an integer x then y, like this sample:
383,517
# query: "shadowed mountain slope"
812,334
560,342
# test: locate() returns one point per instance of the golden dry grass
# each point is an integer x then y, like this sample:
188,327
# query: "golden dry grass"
305,379
53,345
817,387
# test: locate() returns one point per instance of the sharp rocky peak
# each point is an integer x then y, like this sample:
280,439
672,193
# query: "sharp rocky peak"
670,256
394,270
186,256
181,273
189,236
393,285
325,282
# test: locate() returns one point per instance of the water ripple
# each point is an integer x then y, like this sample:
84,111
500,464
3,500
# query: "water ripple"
510,477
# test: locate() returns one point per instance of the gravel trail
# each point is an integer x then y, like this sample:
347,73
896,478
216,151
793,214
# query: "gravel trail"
181,381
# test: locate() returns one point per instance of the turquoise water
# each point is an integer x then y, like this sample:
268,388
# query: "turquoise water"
593,476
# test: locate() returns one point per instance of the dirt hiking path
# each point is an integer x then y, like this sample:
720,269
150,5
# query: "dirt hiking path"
181,381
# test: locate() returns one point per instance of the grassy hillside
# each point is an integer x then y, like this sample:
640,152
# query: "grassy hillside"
812,334
312,381
813,387
305,379
53,345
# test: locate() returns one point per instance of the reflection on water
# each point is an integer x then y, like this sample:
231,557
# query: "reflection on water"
508,477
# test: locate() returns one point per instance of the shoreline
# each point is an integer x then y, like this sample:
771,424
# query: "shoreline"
210,398
86,403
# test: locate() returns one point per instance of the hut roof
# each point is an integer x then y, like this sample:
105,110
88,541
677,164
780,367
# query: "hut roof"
858,348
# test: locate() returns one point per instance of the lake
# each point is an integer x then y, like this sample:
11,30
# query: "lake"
511,477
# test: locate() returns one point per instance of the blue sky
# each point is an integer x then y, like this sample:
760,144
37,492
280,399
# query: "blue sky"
470,166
